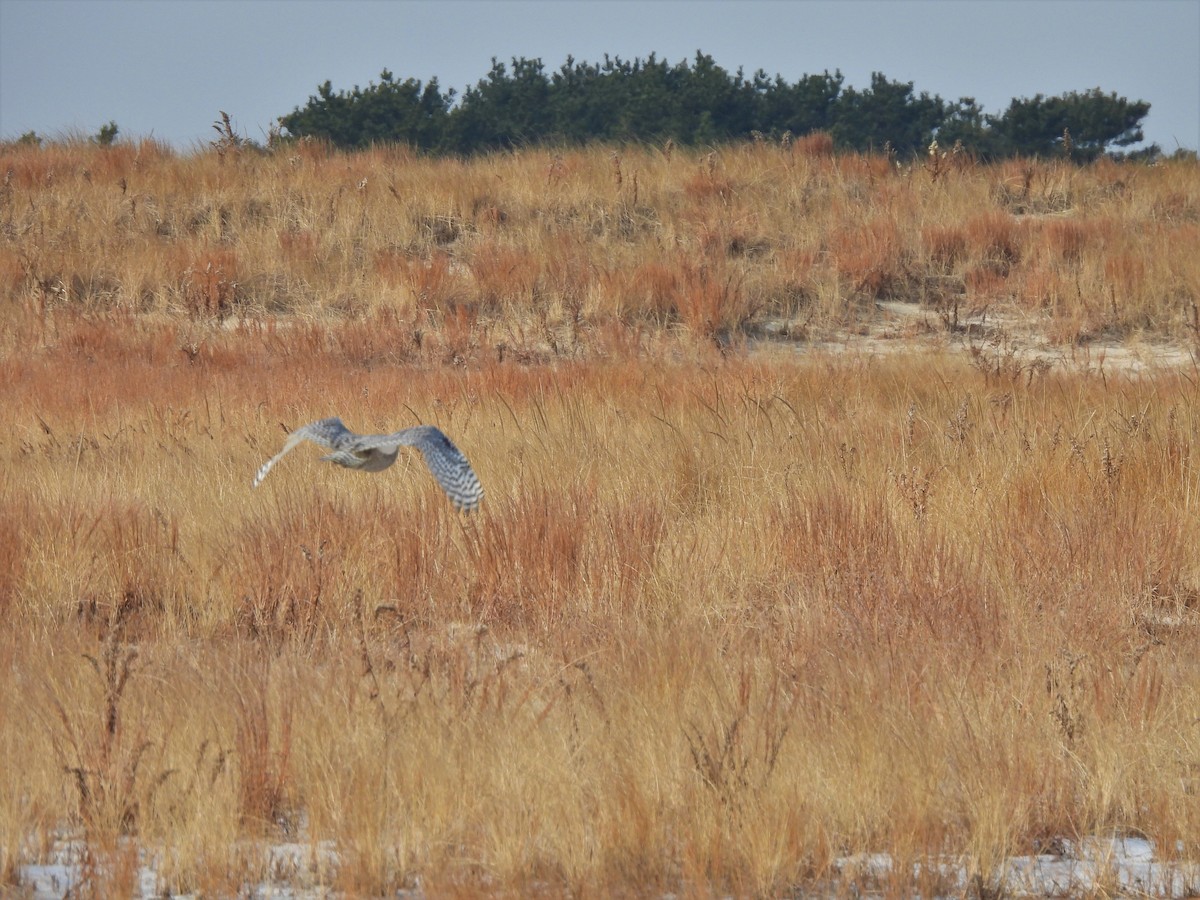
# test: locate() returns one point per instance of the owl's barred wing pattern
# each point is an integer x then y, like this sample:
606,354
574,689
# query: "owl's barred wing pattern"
374,452
445,461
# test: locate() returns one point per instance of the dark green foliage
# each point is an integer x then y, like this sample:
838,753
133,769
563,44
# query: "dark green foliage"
887,112
1095,120
811,104
697,102
965,121
504,110
651,100
404,111
107,135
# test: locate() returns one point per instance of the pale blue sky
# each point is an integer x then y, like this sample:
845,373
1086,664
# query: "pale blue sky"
165,67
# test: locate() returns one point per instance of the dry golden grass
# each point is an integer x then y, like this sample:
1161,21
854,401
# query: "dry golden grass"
540,250
724,618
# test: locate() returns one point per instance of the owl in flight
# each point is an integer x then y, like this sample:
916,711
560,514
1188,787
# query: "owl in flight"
375,452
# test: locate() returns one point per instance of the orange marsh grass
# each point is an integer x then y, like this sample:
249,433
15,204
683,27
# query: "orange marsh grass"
543,249
721,621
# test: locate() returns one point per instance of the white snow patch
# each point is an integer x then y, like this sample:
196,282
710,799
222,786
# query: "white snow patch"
1094,865
1118,865
290,865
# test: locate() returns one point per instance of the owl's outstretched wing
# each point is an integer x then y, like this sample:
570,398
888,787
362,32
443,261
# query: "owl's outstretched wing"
329,433
445,461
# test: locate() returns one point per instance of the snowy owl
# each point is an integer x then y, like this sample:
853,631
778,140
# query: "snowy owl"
375,452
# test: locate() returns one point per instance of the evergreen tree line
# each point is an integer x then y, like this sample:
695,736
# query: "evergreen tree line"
700,103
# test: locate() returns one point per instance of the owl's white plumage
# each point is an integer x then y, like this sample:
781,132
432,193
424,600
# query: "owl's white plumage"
375,452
